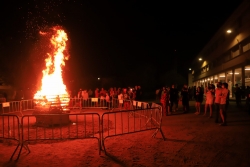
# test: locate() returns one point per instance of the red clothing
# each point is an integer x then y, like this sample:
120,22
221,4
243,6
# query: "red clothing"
102,93
96,93
224,94
209,97
163,97
218,92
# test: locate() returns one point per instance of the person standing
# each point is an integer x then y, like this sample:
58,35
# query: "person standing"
97,96
209,100
111,93
102,94
157,94
79,94
198,100
185,98
126,99
96,93
173,98
223,102
168,101
237,92
107,98
90,93
164,100
217,102
140,92
248,102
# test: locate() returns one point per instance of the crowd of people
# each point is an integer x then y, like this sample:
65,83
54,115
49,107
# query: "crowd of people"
215,98
170,99
119,93
218,97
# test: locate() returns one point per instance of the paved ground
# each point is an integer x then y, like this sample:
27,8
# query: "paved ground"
191,140
209,144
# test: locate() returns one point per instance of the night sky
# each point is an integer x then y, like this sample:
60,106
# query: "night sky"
109,39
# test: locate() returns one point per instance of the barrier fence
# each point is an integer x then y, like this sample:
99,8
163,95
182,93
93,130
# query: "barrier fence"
113,103
138,117
58,127
9,129
10,107
140,105
27,105
79,103
124,123
76,103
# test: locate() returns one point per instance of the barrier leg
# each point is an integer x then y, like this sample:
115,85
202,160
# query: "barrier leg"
162,134
103,146
99,146
14,151
26,147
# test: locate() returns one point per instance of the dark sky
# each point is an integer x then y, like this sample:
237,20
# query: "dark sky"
112,38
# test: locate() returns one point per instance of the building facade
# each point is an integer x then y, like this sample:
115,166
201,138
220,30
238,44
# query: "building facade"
226,57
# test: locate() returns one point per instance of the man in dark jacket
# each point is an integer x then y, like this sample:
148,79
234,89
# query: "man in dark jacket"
174,97
185,98
237,92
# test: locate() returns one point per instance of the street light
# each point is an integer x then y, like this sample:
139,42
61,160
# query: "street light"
229,31
200,59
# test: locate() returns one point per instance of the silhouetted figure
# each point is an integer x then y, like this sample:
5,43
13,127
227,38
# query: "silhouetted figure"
218,92
173,98
185,98
237,92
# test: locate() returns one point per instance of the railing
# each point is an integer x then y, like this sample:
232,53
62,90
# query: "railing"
9,129
75,103
27,105
140,105
124,123
79,103
43,127
40,127
10,107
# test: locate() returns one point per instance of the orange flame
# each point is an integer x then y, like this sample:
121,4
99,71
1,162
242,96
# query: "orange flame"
52,81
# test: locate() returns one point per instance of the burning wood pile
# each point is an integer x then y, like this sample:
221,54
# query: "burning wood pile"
52,105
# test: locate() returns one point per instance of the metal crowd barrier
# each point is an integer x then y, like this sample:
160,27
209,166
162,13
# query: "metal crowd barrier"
9,129
153,105
75,103
157,117
27,105
114,103
123,123
10,107
79,103
34,128
59,127
140,105
121,104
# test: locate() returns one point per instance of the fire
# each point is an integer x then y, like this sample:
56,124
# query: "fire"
52,86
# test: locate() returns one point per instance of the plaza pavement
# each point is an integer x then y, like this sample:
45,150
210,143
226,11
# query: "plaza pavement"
206,142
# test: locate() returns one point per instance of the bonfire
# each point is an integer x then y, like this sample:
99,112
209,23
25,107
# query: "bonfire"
53,97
